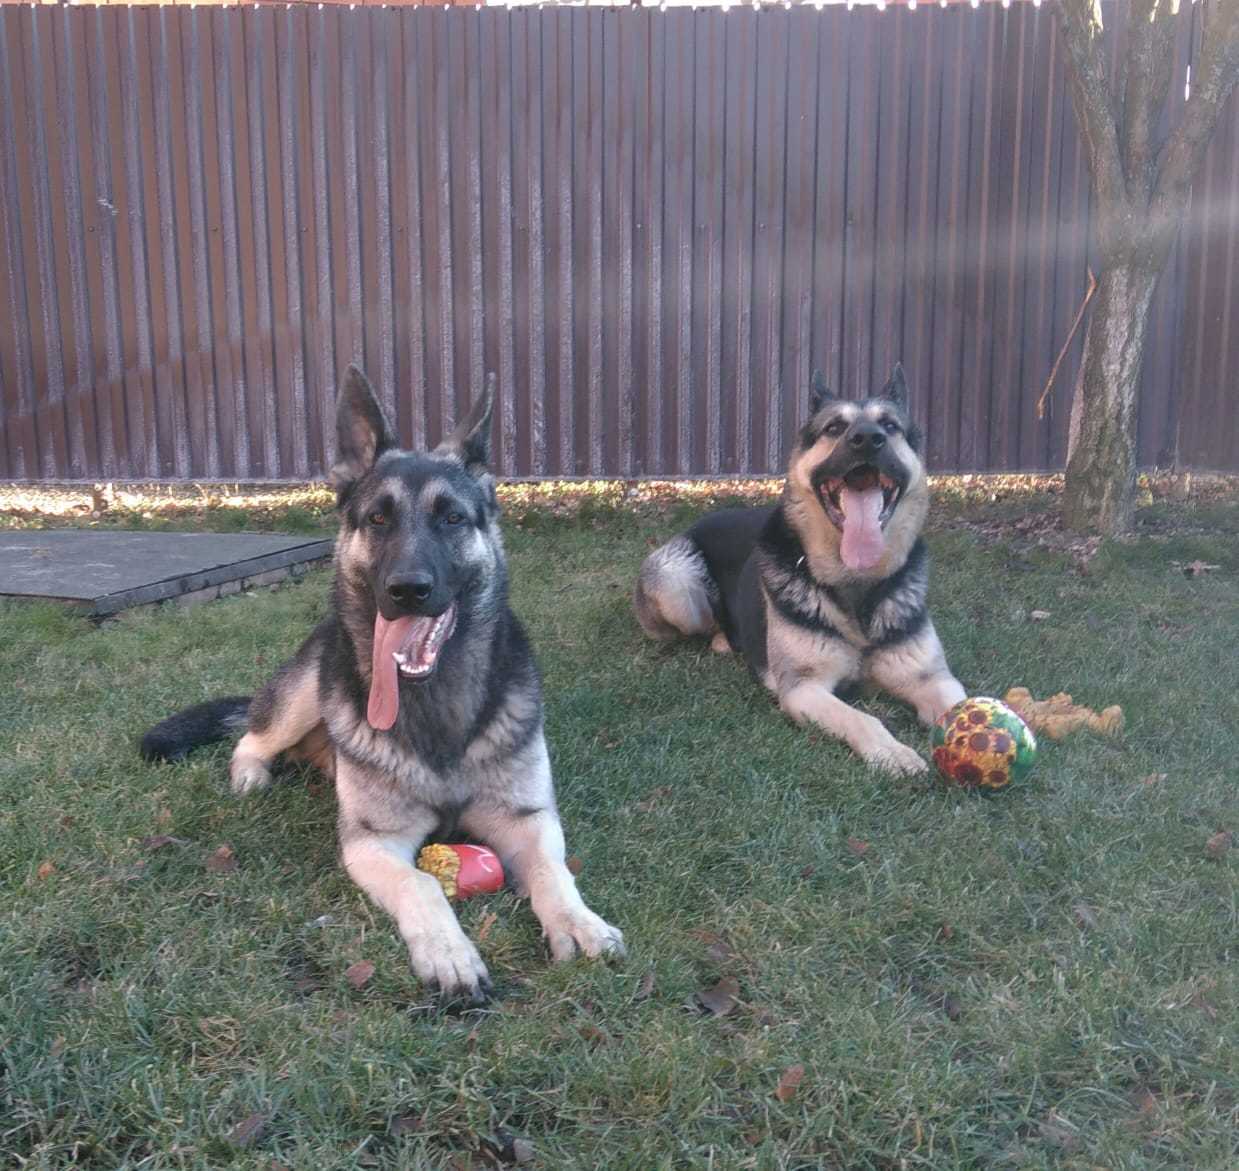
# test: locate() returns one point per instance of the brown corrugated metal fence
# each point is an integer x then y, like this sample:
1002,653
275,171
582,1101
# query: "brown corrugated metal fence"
653,225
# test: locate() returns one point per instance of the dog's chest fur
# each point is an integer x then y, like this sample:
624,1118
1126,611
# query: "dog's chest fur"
463,735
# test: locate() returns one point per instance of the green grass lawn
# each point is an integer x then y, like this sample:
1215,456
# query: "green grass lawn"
1046,978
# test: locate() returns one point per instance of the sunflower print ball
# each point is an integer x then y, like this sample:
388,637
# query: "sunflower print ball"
982,744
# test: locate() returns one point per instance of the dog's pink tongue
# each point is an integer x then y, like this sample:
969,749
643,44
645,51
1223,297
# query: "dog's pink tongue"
863,542
384,683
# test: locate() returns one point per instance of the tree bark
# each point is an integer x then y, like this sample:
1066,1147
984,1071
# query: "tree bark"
1099,492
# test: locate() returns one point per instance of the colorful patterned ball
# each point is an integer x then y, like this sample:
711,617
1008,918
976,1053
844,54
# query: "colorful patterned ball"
982,744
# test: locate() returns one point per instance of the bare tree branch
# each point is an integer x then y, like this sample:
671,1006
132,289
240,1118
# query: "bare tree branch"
1080,22
1213,79
1143,86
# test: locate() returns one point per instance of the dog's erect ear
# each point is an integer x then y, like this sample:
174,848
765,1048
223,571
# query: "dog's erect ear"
819,393
896,389
470,442
362,431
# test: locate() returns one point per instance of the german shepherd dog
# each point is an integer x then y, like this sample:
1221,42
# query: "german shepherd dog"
827,588
420,692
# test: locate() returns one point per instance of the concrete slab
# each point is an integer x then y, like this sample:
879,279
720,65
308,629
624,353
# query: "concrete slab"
107,570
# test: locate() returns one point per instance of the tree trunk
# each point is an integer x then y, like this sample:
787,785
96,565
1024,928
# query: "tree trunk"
1099,493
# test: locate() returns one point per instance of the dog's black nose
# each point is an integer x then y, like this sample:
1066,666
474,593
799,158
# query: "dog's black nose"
867,438
407,589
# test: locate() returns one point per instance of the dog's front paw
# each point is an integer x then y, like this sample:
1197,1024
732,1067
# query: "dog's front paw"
450,967
580,930
898,759
248,774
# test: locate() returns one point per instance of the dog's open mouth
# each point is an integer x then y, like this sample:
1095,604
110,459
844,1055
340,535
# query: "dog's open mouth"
418,655
859,504
404,648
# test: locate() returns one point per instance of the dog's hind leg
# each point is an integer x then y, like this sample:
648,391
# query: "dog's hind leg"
281,715
675,593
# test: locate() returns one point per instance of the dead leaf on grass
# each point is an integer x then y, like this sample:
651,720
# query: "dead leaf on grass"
159,841
575,865
653,799
789,1081
593,1036
247,1131
1154,778
721,999
506,1149
1196,568
946,931
858,847
718,950
645,989
404,1124
223,861
1085,917
46,869
1054,1130
1201,1001
953,1009
484,927
808,871
1216,847
358,974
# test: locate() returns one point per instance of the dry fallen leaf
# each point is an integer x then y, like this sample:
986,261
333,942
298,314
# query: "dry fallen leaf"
952,1007
593,1036
808,871
1198,568
946,931
484,927
247,1131
718,950
223,861
1154,778
1085,917
159,841
45,870
653,799
789,1080
721,999
1057,1132
404,1124
359,973
575,865
645,989
1215,847
1201,1001
858,847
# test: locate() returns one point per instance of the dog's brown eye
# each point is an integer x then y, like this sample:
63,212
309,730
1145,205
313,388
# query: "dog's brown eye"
378,519
453,518
835,427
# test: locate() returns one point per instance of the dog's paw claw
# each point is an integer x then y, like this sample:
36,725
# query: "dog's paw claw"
451,969
248,774
584,933
900,760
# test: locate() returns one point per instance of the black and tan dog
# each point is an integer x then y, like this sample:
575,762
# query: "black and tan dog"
420,691
826,589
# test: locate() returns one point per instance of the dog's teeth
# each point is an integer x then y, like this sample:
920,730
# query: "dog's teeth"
400,658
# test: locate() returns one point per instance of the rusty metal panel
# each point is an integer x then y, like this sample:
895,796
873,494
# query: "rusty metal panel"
652,225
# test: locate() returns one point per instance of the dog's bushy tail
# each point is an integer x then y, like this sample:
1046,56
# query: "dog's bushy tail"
179,735
675,593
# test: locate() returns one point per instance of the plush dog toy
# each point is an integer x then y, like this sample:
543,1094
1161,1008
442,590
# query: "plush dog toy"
1058,716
